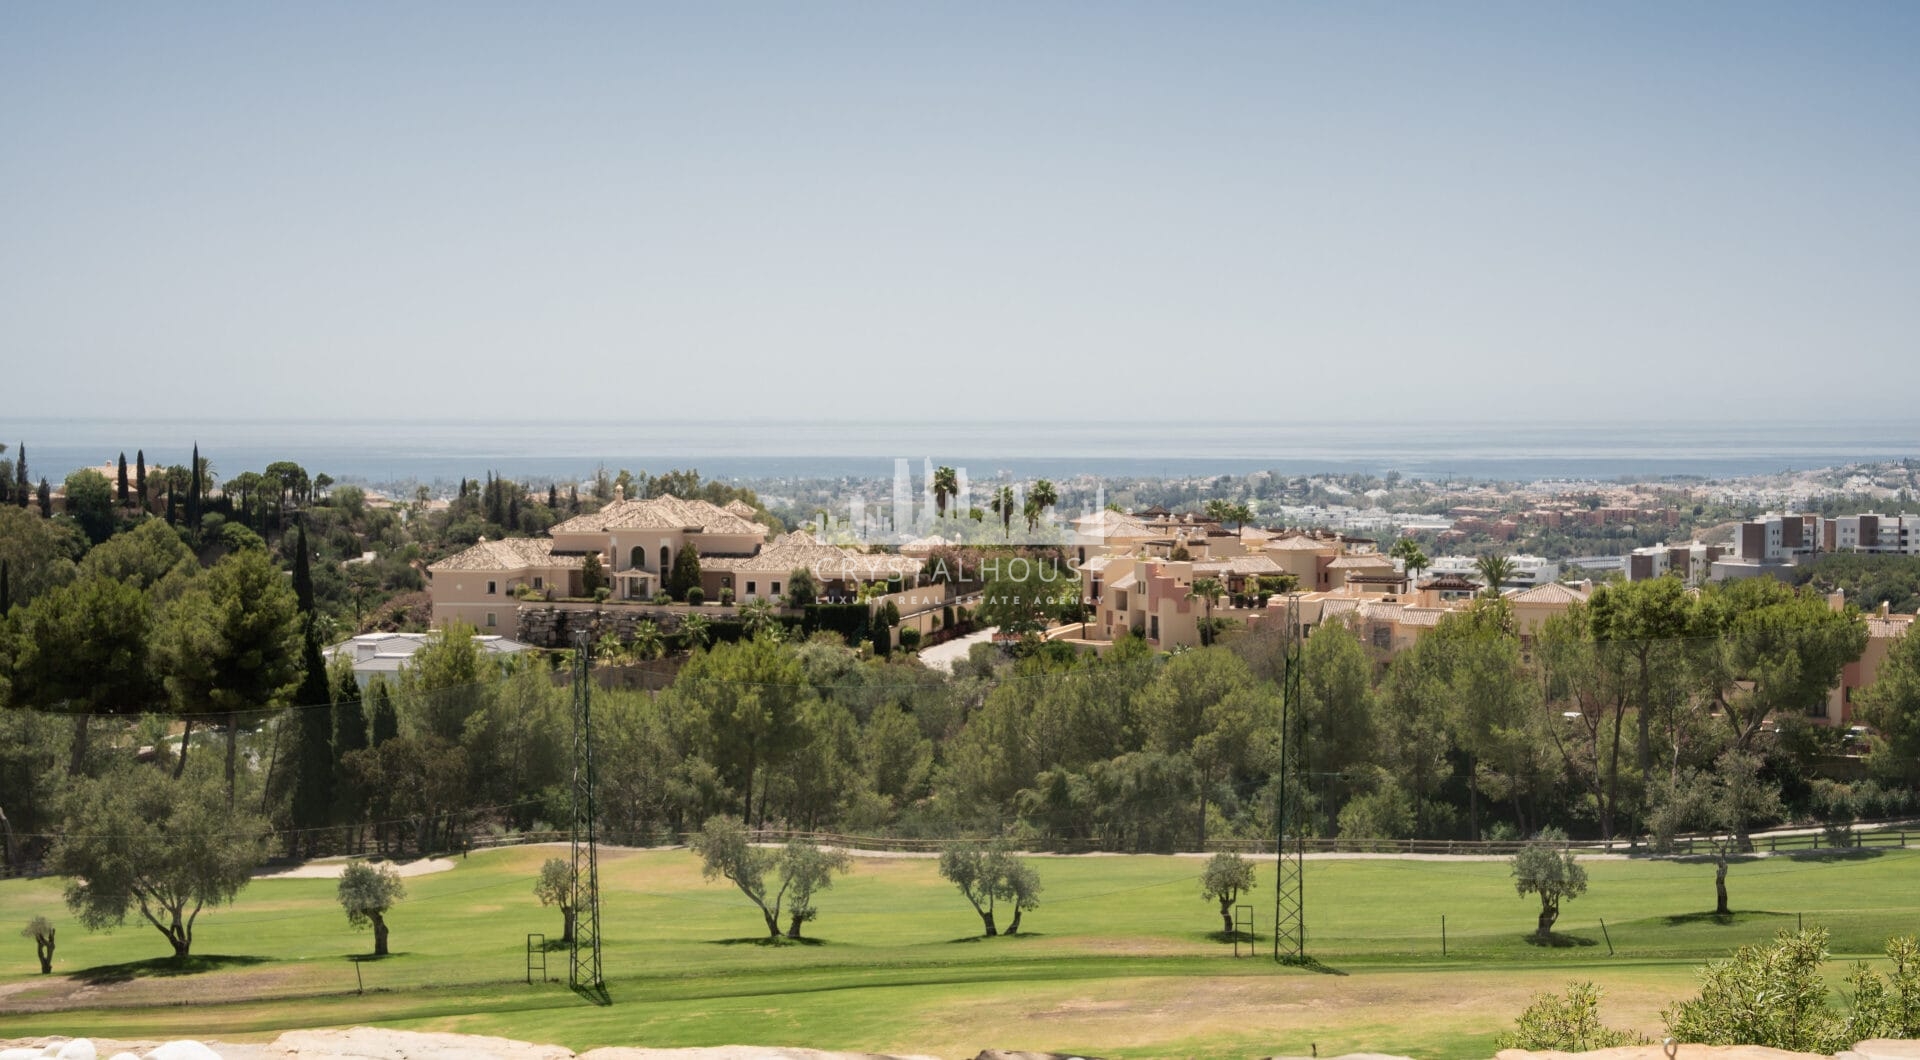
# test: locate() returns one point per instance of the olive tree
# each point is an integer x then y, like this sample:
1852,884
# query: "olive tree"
1545,869
40,930
987,874
555,887
807,869
802,869
1226,876
138,839
367,893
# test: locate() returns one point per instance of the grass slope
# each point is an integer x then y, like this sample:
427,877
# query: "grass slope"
1123,959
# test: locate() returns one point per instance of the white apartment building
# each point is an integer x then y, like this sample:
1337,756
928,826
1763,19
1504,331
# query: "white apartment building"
1869,532
1528,571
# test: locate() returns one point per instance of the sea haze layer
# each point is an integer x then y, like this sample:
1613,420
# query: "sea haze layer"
426,451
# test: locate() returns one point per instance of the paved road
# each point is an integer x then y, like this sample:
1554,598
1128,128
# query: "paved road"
941,656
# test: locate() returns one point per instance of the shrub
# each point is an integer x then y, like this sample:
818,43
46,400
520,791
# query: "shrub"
696,596
662,598
1569,1023
726,596
909,639
1775,996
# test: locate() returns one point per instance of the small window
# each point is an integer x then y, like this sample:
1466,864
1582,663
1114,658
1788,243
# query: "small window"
1153,628
490,621
776,588
750,589
539,583
490,589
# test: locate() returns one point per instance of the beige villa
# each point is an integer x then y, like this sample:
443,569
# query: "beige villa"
636,542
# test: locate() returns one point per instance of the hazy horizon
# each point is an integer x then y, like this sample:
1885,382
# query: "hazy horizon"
1239,213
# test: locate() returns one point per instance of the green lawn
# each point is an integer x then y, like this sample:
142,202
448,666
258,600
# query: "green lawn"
1121,959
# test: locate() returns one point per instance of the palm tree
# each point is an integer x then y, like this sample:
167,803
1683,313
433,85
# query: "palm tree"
1003,506
756,617
1042,498
696,630
647,642
1208,589
1496,570
946,485
1409,553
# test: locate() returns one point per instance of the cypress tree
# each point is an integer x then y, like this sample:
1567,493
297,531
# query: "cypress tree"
686,572
553,497
46,500
193,490
573,499
22,485
172,508
140,476
123,478
386,724
303,577
314,761
513,512
349,716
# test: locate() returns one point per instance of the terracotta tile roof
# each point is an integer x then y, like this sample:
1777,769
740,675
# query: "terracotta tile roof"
1422,616
665,512
1359,562
1550,593
1303,544
1254,564
1890,627
830,562
1451,583
1107,523
509,554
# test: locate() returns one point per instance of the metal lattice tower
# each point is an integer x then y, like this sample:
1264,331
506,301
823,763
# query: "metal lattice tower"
1290,816
584,966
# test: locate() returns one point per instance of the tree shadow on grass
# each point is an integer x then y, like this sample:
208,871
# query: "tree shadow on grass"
1722,919
1558,941
1311,964
162,968
1835,854
373,958
762,940
1228,937
557,945
996,938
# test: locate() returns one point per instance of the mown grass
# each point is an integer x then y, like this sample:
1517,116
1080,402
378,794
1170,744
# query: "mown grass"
1122,958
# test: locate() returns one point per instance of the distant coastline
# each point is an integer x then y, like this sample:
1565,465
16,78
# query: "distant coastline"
397,450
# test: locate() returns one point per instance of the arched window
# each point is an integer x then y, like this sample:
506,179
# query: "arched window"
665,559
637,557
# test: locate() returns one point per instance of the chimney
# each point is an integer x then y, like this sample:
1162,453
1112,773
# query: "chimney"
1886,608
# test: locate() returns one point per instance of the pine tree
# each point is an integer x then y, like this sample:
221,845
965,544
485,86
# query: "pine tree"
386,724
140,477
123,478
193,490
46,500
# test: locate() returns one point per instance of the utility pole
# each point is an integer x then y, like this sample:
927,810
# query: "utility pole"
583,972
1290,817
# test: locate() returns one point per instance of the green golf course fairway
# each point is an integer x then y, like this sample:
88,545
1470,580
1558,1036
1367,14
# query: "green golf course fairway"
1122,958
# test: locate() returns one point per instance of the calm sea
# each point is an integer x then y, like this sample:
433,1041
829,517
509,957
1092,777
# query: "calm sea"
429,451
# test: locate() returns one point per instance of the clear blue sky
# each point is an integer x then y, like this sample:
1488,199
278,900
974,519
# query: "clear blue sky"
1079,210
